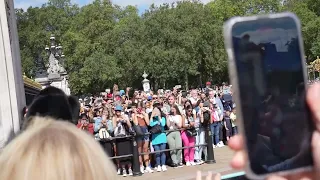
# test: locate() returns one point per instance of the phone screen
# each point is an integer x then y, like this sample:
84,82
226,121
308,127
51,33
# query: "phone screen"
235,176
272,94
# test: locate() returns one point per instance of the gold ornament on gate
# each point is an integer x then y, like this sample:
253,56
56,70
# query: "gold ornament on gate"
316,64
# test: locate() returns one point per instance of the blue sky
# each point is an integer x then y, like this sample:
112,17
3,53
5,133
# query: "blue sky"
141,4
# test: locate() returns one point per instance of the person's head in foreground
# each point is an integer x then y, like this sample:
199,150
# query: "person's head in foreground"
55,150
53,102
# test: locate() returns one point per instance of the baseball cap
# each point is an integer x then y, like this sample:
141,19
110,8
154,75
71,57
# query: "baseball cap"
109,96
121,92
118,108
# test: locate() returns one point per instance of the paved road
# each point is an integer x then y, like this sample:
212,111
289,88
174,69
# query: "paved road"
222,156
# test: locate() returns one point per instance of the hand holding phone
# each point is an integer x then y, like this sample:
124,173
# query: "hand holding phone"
259,64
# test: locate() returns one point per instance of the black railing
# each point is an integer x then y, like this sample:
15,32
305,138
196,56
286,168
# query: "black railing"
135,153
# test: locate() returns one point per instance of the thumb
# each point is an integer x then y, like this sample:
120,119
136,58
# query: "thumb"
313,100
209,176
217,176
199,175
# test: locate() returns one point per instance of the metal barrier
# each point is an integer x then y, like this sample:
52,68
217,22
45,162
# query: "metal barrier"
135,153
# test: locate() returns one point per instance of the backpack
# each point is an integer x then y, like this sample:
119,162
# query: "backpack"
103,133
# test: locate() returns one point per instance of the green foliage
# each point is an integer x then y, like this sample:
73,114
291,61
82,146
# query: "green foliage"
179,43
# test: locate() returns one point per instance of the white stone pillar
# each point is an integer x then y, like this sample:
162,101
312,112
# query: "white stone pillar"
12,95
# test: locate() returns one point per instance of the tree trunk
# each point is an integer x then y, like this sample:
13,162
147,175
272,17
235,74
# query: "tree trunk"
186,80
156,84
200,79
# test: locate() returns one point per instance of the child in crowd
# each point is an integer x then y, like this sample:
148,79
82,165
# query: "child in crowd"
227,125
233,118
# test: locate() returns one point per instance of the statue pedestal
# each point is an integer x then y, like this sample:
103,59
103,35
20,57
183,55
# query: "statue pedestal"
12,94
146,85
60,82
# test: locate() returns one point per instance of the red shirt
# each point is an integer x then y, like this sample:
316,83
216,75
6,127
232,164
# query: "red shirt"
89,128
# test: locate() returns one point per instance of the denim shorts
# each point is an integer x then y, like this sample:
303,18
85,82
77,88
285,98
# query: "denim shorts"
144,129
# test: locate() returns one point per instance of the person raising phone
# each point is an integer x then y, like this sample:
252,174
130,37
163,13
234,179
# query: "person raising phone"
84,124
141,119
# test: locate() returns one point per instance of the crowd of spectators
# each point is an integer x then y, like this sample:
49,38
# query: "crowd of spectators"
161,120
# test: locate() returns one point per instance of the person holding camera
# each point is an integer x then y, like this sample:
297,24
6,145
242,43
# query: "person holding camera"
84,124
200,122
141,119
159,139
121,126
188,135
104,122
174,122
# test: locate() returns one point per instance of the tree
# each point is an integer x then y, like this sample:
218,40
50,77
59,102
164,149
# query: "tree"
99,70
174,43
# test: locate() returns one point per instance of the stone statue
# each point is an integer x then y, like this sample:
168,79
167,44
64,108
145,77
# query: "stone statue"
54,65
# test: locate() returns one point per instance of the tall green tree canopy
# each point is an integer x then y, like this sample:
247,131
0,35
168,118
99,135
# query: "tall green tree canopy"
174,43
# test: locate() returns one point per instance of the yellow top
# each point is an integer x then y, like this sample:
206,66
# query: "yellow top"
233,118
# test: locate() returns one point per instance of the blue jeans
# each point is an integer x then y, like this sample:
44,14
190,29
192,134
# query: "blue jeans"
200,139
161,156
215,131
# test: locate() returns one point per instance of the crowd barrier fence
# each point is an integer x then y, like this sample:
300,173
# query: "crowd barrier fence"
135,153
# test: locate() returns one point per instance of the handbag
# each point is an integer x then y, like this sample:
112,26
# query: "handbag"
191,132
156,129
103,133
138,130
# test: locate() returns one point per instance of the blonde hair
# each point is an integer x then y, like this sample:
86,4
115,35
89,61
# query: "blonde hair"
54,150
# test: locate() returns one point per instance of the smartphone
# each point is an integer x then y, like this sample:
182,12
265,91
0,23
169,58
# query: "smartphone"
235,176
267,70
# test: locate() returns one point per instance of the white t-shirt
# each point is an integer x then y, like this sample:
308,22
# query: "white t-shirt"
194,100
197,120
148,110
188,120
173,121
